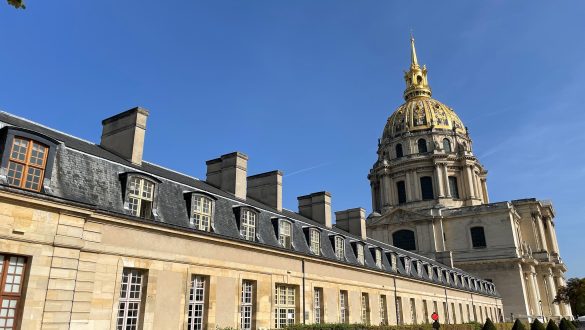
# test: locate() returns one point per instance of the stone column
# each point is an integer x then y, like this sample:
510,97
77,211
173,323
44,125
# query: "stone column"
533,293
560,281
541,234
392,191
552,292
486,198
478,192
446,179
387,190
416,186
469,178
439,177
408,187
374,197
553,235
383,193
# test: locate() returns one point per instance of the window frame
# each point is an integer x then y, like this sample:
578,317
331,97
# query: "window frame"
314,247
365,308
191,209
454,186
399,150
447,145
339,253
248,305
378,259
343,307
7,136
126,179
427,189
383,310
422,147
125,297
282,223
482,239
18,296
286,306
360,253
247,235
401,192
192,302
318,310
407,248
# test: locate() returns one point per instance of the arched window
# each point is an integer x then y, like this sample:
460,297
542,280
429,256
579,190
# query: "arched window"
446,145
399,152
426,188
401,189
477,237
404,239
201,212
422,145
140,197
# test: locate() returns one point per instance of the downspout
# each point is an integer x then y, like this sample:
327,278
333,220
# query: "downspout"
396,300
303,270
447,316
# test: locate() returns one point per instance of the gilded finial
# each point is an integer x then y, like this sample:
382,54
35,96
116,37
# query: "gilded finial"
413,59
416,78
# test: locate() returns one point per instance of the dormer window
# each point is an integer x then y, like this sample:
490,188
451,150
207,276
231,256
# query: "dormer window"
26,166
315,241
285,234
202,208
339,247
359,251
248,220
378,257
393,262
140,197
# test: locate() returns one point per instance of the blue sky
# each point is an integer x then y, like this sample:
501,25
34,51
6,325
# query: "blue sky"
306,86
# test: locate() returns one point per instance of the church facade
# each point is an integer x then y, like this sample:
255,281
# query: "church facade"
430,196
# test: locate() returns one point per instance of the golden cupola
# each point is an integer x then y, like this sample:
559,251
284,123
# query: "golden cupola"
420,111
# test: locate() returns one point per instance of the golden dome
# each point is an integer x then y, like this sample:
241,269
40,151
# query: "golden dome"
422,113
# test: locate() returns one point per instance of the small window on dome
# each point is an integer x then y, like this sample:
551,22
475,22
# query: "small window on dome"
446,145
418,79
399,152
422,145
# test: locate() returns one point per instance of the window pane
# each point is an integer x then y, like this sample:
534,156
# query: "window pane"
37,154
15,174
404,239
130,299
19,147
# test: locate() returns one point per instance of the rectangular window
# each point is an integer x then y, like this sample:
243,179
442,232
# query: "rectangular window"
468,314
247,305
315,237
365,308
383,310
343,307
461,313
425,311
26,166
201,215
12,271
360,253
248,225
197,296
285,306
401,189
140,197
378,254
454,311
453,189
318,305
426,188
445,312
339,247
399,318
131,299
413,311
284,234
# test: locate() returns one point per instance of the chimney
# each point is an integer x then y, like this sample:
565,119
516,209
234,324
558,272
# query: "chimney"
316,206
266,188
123,134
228,173
352,221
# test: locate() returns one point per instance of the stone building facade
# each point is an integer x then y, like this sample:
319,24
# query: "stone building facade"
429,196
93,237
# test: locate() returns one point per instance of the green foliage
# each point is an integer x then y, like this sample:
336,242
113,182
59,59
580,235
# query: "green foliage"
551,325
574,294
489,325
565,324
17,4
518,325
537,325
426,326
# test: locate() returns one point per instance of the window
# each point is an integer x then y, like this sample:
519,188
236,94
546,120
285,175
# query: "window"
461,313
401,189
365,308
201,212
378,255
343,308
131,303
140,197
399,319
454,313
426,188
12,272
446,145
399,152
318,305
247,305
248,224
285,306
315,237
425,311
196,316
360,253
422,145
413,311
383,310
285,233
477,237
445,314
404,239
468,314
26,166
339,248
453,188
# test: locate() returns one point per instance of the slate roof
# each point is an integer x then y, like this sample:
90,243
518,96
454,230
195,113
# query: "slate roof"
85,173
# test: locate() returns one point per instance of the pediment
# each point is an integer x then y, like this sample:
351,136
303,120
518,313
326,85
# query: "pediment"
398,215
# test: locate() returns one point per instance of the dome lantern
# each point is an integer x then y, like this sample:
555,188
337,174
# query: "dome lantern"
417,84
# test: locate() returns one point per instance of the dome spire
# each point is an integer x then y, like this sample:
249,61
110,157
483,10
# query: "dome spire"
417,84
413,59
